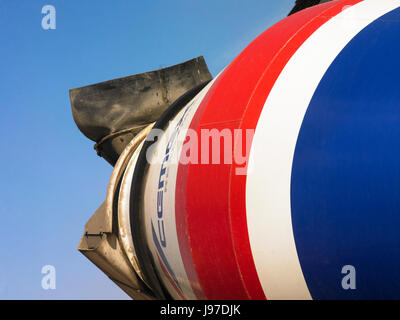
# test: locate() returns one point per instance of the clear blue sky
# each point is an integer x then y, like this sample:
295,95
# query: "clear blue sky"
51,180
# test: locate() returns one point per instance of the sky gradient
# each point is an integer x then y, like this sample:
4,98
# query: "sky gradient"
51,180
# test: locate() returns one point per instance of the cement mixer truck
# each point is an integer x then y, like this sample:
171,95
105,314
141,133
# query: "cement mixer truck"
278,178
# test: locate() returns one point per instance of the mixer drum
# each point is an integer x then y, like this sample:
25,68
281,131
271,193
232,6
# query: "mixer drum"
281,178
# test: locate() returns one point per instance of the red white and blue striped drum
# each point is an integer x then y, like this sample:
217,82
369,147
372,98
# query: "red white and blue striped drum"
280,179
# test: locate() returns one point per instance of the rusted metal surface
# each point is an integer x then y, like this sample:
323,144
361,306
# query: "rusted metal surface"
118,115
111,113
116,176
105,251
124,223
105,241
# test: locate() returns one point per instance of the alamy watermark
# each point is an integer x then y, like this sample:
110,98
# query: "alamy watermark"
349,280
49,18
206,146
49,278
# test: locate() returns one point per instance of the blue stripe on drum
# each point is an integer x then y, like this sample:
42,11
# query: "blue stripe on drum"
345,189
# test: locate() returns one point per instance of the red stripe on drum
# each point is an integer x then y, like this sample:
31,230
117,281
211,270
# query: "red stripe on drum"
210,198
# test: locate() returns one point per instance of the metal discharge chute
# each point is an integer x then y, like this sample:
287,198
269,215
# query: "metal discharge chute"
276,179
